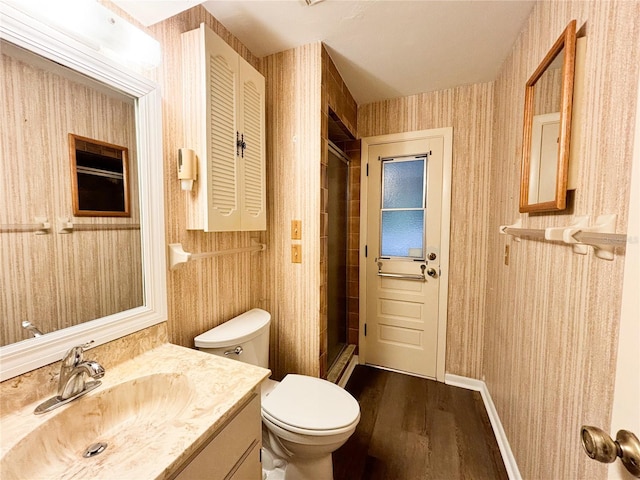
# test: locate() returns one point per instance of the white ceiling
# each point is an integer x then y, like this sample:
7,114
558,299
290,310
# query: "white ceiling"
382,48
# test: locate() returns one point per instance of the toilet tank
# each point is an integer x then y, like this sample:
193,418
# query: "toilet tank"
244,338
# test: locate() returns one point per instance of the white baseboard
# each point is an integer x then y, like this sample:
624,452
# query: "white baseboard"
503,443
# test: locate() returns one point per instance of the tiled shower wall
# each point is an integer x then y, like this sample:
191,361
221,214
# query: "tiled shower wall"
336,99
352,150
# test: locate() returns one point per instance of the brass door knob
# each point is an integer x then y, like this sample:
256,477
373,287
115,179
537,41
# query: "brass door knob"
629,451
432,272
601,447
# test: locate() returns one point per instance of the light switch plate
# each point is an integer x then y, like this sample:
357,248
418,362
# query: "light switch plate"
296,230
296,253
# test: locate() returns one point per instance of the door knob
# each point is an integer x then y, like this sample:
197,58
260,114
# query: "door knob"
432,272
599,446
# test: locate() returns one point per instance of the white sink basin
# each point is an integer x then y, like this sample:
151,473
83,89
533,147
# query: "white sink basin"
117,416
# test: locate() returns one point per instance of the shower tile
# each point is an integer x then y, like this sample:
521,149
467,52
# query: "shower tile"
354,321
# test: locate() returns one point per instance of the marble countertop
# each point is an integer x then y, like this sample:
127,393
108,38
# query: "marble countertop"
214,387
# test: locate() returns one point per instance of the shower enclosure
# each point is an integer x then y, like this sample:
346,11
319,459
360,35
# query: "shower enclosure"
337,209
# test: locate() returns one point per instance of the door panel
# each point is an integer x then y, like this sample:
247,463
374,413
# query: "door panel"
402,314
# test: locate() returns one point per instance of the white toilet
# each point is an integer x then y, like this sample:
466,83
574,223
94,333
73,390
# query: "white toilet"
306,418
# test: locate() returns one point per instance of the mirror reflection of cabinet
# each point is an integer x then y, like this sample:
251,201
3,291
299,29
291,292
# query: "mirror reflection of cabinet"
547,128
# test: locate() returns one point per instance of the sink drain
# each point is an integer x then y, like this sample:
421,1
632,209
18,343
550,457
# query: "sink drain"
95,449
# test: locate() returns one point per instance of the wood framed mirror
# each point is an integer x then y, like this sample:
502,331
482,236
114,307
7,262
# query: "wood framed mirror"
547,128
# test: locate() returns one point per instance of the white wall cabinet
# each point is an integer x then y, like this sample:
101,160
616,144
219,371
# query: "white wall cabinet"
232,453
224,112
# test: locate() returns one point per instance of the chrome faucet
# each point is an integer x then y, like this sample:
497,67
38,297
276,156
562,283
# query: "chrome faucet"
73,378
74,370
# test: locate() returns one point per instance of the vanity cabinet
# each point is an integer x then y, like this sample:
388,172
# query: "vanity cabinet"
224,122
233,452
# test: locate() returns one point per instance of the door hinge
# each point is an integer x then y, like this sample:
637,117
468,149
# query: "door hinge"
366,251
365,329
367,169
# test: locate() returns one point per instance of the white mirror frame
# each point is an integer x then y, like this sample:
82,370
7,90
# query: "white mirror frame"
33,35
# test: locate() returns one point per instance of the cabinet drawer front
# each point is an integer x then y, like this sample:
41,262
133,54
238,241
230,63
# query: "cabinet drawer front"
222,457
250,468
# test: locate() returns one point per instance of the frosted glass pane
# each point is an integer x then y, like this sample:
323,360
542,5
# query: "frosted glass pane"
402,233
403,184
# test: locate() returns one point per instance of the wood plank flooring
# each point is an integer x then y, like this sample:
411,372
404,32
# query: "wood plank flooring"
413,428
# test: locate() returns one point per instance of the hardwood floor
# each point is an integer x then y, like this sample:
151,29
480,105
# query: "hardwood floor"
413,428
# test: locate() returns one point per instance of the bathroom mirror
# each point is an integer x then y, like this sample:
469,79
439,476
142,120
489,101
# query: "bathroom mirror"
87,264
25,32
547,128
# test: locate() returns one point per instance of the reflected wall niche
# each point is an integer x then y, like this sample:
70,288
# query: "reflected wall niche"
99,178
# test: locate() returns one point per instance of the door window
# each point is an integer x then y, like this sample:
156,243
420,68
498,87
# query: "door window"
403,209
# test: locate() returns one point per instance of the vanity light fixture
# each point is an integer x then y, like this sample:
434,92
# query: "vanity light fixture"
97,27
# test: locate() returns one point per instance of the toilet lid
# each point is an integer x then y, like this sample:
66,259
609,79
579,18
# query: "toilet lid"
310,403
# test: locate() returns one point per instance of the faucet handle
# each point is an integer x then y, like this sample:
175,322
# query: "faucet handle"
74,356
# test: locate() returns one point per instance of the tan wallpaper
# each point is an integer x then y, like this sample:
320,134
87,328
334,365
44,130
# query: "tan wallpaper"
469,110
552,316
293,193
59,280
205,293
541,331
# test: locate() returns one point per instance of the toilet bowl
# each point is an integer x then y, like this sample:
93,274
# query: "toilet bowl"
305,418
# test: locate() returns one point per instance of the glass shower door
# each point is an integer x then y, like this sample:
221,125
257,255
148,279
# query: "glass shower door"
337,209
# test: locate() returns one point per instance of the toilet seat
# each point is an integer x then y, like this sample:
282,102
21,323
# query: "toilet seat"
311,406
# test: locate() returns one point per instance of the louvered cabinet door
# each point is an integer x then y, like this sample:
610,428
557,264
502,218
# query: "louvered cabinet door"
252,161
224,101
222,175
